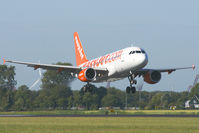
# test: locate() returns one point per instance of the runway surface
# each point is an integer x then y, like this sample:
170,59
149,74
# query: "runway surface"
99,115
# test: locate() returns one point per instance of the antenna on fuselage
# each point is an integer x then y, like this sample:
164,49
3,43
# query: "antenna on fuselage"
133,44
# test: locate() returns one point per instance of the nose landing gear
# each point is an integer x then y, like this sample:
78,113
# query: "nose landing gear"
132,81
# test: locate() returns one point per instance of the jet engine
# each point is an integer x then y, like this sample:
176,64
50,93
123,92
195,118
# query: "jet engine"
152,77
87,75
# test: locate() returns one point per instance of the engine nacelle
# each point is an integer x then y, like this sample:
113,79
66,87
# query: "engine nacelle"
152,77
87,75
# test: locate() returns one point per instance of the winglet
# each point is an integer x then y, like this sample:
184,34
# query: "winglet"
4,61
193,66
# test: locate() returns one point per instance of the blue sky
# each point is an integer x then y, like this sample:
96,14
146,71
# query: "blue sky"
43,30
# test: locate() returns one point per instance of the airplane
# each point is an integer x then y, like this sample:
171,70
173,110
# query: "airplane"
128,62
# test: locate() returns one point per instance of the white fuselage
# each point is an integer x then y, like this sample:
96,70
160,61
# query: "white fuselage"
119,63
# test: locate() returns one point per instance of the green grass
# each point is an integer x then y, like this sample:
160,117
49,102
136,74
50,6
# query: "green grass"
102,112
98,125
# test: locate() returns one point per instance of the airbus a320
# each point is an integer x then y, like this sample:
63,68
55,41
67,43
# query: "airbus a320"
128,62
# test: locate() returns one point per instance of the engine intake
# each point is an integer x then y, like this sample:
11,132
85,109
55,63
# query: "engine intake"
152,77
87,75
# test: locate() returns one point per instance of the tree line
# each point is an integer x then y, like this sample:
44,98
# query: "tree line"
56,93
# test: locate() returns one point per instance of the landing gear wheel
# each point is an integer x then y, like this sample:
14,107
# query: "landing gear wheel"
128,90
90,89
133,89
87,88
84,89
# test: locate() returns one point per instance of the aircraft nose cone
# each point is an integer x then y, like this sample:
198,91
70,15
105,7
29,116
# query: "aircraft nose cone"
144,60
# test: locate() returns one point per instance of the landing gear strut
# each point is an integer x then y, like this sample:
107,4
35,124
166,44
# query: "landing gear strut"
132,81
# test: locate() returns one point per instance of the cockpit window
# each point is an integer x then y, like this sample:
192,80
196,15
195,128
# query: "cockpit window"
138,51
132,52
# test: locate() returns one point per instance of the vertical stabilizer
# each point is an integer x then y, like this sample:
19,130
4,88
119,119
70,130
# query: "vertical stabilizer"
79,52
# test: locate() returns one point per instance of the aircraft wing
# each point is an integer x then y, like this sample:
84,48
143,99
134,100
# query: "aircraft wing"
59,68
169,70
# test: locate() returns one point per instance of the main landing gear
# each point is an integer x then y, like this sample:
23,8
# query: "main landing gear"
132,81
87,88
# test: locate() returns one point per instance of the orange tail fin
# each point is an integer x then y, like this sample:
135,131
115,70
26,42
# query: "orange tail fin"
80,55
